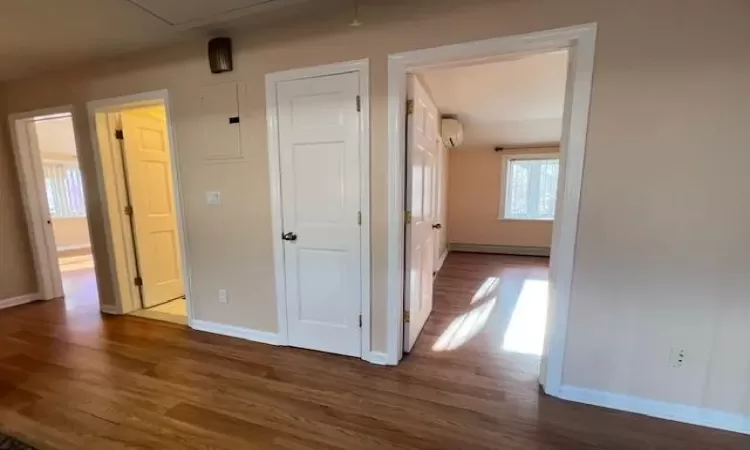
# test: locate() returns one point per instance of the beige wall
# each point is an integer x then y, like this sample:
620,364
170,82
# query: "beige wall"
663,250
474,199
17,276
55,138
71,233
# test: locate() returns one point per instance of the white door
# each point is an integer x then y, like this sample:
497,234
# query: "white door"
319,144
421,160
439,202
149,177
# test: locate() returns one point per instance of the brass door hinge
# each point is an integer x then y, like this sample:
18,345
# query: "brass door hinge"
128,210
409,107
119,135
407,317
407,217
138,281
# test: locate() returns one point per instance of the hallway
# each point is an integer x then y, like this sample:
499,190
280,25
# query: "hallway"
72,378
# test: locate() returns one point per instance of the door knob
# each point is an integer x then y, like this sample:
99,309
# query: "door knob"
289,236
437,226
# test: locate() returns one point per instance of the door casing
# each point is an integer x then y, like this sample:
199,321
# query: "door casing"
30,175
272,79
580,41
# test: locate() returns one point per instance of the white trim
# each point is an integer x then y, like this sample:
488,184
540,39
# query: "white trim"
123,293
378,358
272,79
110,309
248,334
31,177
20,300
442,259
504,179
694,415
501,249
580,40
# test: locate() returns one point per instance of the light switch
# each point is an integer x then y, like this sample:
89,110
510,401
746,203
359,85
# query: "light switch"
213,197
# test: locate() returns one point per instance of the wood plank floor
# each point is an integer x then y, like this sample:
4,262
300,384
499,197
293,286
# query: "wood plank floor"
73,379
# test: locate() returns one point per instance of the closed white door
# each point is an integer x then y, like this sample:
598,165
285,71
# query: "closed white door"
319,143
421,161
149,177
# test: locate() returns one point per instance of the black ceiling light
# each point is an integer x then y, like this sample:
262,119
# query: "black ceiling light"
220,55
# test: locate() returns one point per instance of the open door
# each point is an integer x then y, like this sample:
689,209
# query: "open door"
149,178
421,162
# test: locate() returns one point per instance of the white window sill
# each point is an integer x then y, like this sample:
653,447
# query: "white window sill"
512,219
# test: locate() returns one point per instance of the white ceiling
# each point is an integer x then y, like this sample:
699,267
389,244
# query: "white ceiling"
40,35
508,103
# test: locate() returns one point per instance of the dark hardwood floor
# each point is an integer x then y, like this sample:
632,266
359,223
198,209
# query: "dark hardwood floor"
71,378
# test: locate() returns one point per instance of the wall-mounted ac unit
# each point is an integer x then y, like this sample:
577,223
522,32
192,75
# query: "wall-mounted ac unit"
452,132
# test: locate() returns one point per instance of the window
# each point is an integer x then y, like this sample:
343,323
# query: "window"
531,188
64,190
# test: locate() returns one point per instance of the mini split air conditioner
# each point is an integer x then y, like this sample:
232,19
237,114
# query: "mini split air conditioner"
452,132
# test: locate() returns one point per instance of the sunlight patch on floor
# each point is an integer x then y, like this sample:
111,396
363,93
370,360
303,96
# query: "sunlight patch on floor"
489,285
465,327
525,333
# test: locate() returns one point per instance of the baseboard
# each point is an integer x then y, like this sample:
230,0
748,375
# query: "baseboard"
110,309
378,358
500,249
442,260
20,300
694,415
248,334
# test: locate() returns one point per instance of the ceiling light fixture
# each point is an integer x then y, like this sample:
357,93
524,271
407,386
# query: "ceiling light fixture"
355,21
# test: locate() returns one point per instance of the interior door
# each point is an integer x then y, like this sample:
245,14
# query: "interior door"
421,159
149,177
439,202
319,143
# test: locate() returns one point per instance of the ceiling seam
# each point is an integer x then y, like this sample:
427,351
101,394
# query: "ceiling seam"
149,12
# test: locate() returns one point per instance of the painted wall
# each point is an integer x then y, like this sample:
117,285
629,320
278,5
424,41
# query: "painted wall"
662,254
71,233
17,275
476,175
55,138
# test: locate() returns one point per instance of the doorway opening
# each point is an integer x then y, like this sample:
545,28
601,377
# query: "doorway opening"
135,153
527,193
495,127
53,182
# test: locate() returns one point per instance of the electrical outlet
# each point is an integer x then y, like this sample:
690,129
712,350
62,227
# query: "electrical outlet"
677,357
223,297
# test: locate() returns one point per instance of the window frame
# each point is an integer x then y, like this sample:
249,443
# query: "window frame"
505,166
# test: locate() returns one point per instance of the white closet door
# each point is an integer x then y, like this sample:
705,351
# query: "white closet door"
319,140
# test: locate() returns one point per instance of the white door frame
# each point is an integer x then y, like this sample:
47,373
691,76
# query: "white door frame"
33,192
580,41
122,274
272,79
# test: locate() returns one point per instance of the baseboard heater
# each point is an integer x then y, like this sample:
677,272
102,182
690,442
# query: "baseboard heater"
500,249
